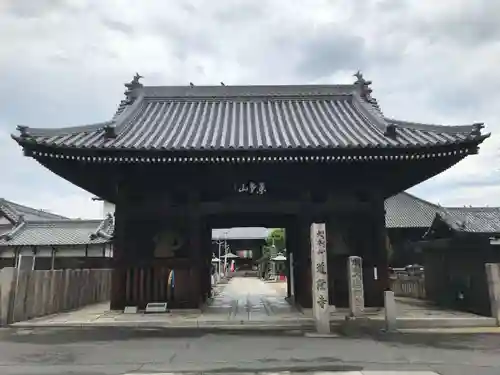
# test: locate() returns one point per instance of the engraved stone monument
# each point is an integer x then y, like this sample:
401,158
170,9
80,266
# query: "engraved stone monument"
321,308
356,294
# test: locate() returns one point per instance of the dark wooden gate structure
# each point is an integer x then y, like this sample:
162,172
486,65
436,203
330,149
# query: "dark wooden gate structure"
178,161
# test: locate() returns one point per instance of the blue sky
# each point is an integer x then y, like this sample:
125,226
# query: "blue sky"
64,63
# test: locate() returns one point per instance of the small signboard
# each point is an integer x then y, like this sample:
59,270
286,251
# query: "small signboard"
130,310
156,307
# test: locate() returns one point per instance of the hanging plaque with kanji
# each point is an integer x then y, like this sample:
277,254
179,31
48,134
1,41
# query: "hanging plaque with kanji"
319,268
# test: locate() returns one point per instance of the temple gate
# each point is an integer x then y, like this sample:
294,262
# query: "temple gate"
179,161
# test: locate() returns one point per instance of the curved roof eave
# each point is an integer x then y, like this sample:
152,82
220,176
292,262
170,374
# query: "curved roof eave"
27,131
439,128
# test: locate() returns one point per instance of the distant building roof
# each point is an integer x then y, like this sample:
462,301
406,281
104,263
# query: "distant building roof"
13,211
251,233
472,219
404,210
31,227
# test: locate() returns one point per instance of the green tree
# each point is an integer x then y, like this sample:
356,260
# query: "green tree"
277,239
275,243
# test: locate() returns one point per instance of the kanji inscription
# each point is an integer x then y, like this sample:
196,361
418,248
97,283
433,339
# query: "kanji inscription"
252,188
356,292
321,308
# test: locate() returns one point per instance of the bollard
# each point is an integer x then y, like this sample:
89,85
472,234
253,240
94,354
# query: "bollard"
390,311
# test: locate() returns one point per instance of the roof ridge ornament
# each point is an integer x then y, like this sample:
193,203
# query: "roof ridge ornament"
476,129
131,86
129,99
364,86
365,90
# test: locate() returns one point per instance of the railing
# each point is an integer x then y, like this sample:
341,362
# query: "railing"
408,286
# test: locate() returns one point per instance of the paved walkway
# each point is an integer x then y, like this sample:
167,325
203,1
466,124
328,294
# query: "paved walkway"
252,299
242,302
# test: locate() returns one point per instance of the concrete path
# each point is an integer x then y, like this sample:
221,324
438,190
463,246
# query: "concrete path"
248,298
241,303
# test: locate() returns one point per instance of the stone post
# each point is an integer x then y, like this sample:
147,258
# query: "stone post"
320,305
390,311
7,294
493,279
355,280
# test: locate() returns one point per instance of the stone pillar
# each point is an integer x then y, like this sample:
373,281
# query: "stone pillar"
390,311
493,279
319,268
355,280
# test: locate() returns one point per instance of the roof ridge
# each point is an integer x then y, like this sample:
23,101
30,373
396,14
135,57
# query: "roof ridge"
247,91
437,206
458,208
14,207
62,221
10,212
10,234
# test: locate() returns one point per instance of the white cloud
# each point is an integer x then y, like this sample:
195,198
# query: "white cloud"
64,63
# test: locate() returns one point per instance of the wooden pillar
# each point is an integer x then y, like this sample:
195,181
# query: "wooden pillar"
378,258
206,254
117,298
289,250
304,260
383,258
195,247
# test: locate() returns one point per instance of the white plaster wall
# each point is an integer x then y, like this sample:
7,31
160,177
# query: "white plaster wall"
62,252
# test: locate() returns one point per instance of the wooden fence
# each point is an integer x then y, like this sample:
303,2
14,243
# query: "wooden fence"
408,286
29,294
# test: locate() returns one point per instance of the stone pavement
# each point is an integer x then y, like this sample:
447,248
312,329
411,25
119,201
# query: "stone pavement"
252,304
241,303
252,299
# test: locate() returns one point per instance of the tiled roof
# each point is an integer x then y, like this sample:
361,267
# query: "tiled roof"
404,210
14,211
472,219
31,227
221,118
68,232
249,233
